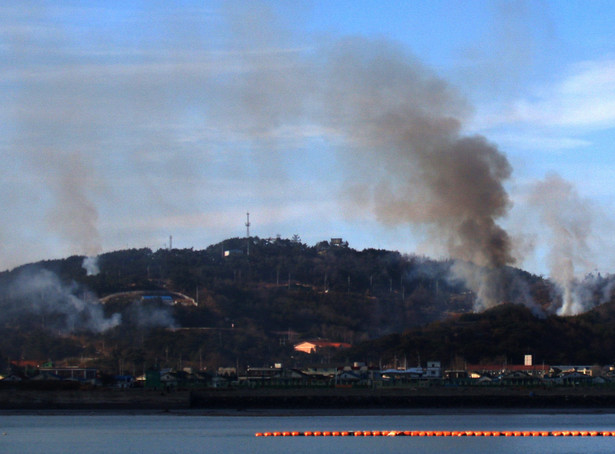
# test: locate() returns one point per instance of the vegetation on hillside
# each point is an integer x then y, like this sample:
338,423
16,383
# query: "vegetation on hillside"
253,308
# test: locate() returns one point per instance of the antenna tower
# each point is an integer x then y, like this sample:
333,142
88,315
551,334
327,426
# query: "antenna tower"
248,231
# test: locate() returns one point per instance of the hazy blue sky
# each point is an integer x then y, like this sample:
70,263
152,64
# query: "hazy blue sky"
122,123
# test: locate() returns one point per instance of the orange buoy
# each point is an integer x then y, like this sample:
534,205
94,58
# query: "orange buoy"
440,433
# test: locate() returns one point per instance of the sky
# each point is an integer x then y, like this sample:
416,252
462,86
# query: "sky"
436,128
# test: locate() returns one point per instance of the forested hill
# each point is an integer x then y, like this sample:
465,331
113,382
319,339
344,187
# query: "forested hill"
251,307
503,335
284,284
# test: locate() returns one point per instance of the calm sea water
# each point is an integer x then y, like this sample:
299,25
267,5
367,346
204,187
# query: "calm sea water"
190,432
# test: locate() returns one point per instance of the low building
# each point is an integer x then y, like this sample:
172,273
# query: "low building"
433,370
314,346
273,376
494,370
88,374
518,378
124,381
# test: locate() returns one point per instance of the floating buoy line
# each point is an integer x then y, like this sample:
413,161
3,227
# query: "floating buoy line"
440,433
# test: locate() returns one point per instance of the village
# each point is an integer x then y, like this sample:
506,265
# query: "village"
34,375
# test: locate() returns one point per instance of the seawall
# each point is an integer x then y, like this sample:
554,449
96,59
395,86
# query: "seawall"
437,397
328,398
112,399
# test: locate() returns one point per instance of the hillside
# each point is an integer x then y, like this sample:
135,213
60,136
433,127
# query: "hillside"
252,308
503,335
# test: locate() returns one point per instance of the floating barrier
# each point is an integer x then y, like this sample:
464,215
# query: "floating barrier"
439,433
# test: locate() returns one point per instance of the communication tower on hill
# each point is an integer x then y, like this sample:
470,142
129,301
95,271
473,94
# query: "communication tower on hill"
248,232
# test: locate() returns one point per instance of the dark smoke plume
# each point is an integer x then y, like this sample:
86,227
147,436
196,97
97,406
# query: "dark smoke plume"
410,161
397,128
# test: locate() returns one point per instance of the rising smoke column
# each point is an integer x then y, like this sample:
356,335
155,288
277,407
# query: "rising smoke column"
569,220
74,216
410,161
57,128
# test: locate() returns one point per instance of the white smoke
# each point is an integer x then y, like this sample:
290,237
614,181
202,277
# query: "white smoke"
90,265
151,316
68,307
568,218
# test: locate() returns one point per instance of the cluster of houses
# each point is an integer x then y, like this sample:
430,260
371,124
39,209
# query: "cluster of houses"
359,375
33,371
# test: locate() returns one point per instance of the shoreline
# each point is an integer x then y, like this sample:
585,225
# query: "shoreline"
307,412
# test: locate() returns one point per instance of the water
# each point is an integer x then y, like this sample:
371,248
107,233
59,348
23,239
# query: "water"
188,432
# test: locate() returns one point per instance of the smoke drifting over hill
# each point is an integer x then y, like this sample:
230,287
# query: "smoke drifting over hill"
67,307
569,220
403,124
61,307
395,127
